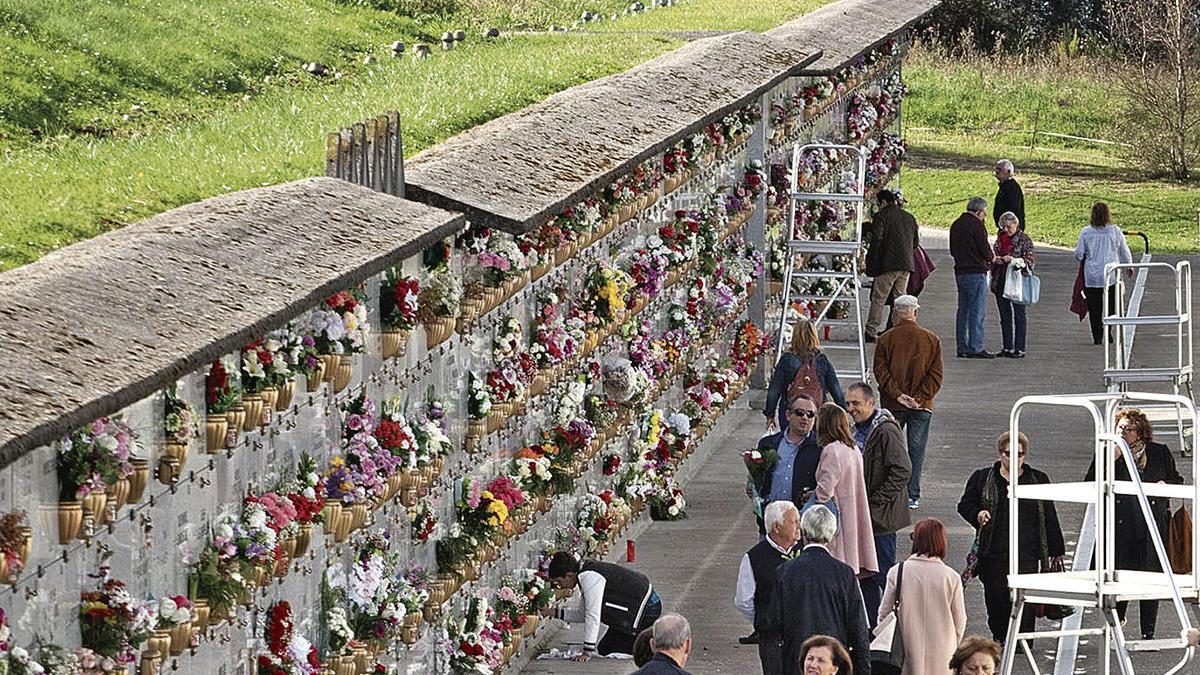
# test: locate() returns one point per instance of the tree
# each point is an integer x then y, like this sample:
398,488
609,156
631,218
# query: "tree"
1156,64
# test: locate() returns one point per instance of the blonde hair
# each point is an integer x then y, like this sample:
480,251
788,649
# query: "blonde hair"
833,424
1022,441
804,338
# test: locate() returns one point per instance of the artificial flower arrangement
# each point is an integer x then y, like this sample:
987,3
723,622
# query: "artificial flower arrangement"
471,644
113,625
281,519
423,522
505,384
507,343
531,467
607,288
90,460
680,237
173,622
623,382
754,177
522,594
181,424
667,502
648,272
479,402
394,434
551,343
433,445
336,623
301,355
220,575
501,260
288,652
398,310
307,494
886,154
596,518
370,588
339,328
482,513
458,552
439,304
16,542
361,475
749,343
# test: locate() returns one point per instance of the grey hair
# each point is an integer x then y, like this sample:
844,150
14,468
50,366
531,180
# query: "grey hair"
1005,164
1005,218
775,511
671,631
977,204
818,524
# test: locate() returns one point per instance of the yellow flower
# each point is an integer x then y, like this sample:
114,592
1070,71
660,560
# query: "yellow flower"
499,512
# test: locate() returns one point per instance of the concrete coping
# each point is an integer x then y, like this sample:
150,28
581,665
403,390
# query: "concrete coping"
99,325
520,170
843,31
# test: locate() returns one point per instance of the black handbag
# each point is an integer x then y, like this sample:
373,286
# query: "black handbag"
887,649
1043,611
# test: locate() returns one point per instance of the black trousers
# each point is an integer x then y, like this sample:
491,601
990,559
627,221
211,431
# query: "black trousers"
993,572
617,641
770,654
1140,555
1095,300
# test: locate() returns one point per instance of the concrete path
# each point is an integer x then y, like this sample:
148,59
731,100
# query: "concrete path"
694,562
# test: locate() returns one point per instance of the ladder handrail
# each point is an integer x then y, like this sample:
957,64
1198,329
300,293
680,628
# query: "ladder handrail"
1115,359
1105,463
789,267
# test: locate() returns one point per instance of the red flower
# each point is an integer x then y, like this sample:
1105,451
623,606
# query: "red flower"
601,524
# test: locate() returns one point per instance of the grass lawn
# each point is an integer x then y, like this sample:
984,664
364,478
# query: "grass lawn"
706,15
964,115
109,120
78,187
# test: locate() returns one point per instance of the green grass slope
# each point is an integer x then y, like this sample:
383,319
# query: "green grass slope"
963,115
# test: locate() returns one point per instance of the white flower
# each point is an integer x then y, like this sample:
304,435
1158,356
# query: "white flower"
106,442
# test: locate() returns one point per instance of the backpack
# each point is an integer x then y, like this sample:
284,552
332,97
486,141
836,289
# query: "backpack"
807,381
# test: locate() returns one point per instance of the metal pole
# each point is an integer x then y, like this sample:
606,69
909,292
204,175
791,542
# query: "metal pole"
756,231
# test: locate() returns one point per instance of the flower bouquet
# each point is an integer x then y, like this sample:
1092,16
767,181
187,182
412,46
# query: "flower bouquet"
482,513
174,617
90,460
667,502
299,351
398,310
423,522
307,494
479,407
288,652
607,288
438,306
458,553
472,644
113,625
223,403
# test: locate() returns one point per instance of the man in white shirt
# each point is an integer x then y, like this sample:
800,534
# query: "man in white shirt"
756,577
614,595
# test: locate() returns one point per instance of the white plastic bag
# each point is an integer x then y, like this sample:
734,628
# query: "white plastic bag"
1019,287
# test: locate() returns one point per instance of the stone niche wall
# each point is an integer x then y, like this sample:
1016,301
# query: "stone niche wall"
150,545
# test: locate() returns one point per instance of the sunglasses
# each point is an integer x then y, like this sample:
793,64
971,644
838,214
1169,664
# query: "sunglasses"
803,413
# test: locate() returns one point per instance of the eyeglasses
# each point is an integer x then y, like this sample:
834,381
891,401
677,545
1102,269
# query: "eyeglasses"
1125,427
803,413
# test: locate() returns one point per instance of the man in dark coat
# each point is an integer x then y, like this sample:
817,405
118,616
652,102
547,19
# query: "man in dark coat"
892,237
972,260
817,594
886,470
1009,196
672,644
794,473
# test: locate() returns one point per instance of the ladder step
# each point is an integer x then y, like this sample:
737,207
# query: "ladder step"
810,296
826,247
853,346
1164,320
848,374
826,274
1145,374
826,197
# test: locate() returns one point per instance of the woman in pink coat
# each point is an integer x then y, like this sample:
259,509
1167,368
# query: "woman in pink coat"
932,615
840,478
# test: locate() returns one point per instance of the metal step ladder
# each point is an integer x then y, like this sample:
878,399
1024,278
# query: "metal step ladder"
1105,585
1119,371
801,253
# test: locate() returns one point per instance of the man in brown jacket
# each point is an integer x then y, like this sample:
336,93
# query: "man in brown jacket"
908,368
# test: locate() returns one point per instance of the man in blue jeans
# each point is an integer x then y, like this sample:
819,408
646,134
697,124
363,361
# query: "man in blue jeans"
972,259
908,368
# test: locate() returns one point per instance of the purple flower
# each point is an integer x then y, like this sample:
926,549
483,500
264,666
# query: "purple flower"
354,422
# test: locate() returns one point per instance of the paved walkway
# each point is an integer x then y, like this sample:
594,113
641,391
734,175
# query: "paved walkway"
694,562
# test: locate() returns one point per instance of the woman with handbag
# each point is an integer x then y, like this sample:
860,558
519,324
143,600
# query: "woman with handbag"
926,597
1133,548
840,480
1012,244
984,505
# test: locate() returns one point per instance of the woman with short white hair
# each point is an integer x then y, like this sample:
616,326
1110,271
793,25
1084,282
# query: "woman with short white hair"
1012,247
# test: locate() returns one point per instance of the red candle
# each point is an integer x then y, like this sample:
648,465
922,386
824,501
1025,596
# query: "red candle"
630,552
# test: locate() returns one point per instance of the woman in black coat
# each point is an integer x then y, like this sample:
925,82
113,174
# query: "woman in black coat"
1134,551
984,505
